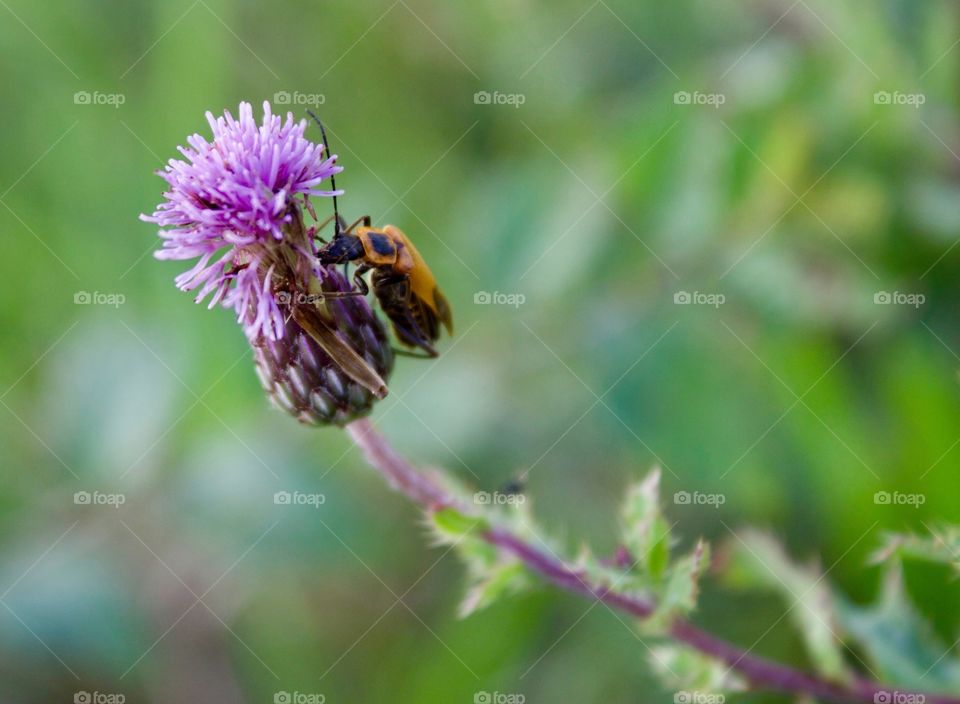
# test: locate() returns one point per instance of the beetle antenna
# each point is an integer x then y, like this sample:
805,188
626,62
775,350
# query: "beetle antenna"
333,178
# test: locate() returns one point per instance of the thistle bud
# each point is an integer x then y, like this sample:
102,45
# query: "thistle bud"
302,377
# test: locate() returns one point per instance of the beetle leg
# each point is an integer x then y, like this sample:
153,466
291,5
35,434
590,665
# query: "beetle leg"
429,352
358,278
389,280
365,219
320,226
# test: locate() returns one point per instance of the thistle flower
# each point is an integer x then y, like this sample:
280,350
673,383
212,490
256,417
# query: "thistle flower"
231,203
237,205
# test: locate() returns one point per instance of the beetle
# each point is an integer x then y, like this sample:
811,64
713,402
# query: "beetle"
402,282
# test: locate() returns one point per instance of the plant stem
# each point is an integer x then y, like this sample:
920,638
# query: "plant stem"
760,672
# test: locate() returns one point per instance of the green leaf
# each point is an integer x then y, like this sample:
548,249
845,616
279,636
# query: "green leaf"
900,644
646,534
605,572
489,584
942,546
451,525
679,595
681,667
758,560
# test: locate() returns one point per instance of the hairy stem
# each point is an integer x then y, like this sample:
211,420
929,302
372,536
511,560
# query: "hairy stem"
760,672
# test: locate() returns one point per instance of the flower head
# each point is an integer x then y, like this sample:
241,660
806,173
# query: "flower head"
301,377
236,204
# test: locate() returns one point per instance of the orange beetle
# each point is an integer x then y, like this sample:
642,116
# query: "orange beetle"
402,282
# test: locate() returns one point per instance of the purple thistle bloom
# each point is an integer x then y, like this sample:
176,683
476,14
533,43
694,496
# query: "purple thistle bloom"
236,204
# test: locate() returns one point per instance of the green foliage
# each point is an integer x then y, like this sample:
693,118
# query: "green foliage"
759,561
452,525
672,583
899,644
646,534
941,545
491,580
682,586
684,668
491,573
890,639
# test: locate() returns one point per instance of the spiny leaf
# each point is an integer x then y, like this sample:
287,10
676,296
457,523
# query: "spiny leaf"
682,667
760,561
899,643
645,533
607,572
679,595
942,545
451,525
503,579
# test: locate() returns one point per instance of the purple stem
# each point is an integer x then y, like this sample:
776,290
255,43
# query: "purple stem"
760,672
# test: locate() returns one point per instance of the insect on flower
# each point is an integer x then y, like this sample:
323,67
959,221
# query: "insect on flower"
402,282
237,204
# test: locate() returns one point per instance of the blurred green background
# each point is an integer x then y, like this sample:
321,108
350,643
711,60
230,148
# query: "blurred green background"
772,153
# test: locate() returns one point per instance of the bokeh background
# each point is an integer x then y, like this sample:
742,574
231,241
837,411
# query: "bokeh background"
789,165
